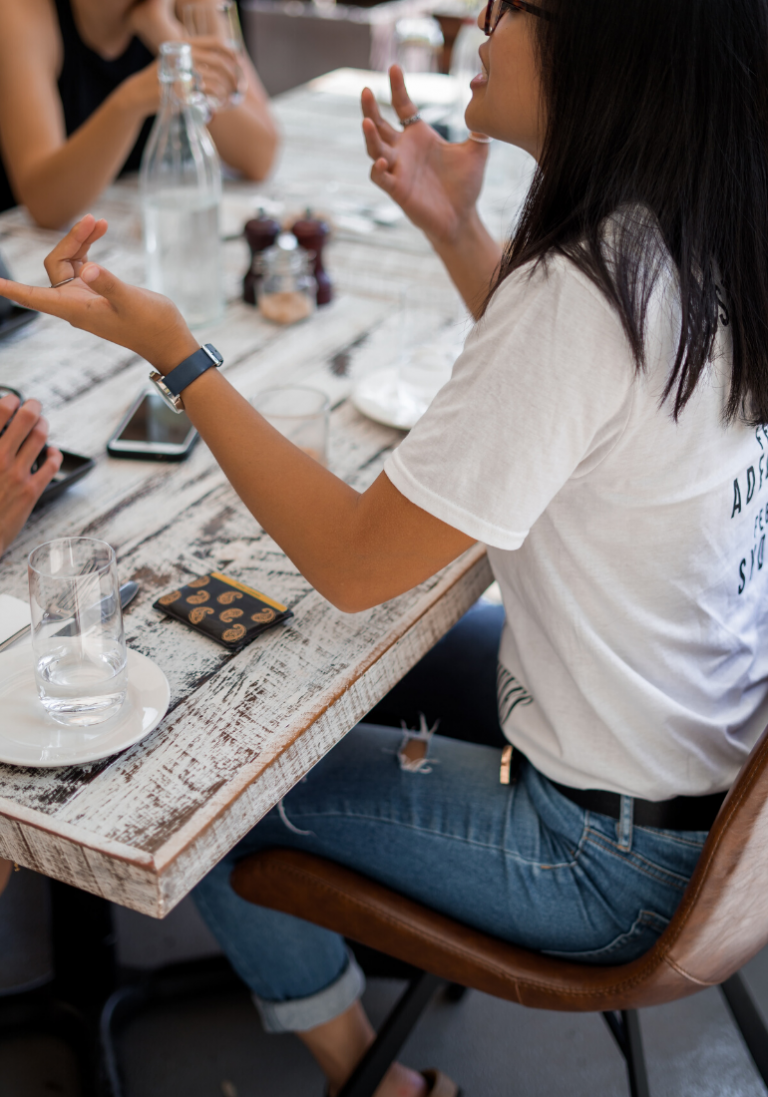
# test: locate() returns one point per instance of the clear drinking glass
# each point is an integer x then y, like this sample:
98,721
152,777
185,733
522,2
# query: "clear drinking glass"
217,19
300,414
77,630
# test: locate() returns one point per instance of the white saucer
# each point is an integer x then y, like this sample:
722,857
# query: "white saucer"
382,397
399,395
29,737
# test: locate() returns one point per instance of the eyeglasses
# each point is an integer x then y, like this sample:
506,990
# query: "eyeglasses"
497,8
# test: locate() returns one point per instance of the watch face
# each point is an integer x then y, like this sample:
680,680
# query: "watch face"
174,402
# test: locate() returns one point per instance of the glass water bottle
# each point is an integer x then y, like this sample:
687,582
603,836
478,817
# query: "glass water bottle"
180,185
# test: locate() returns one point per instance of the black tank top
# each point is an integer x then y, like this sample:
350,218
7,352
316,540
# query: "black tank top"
85,82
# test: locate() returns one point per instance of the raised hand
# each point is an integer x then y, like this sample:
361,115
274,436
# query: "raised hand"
435,182
97,301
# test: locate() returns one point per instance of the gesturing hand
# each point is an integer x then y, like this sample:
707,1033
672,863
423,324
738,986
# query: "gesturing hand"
435,182
97,301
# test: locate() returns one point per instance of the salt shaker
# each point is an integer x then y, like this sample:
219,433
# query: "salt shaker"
261,233
312,234
287,292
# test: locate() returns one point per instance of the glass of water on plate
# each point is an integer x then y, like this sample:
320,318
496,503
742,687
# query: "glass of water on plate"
77,630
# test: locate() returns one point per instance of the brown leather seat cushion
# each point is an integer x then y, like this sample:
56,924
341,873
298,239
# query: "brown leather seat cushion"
722,920
332,896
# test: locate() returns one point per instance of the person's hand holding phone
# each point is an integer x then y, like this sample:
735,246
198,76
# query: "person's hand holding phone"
23,437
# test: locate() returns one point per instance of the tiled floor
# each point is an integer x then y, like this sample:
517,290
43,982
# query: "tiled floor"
214,1046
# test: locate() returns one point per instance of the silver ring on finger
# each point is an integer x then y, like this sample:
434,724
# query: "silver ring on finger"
404,122
63,282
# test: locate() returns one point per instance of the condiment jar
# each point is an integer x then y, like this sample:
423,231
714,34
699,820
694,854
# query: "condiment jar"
288,291
261,233
312,234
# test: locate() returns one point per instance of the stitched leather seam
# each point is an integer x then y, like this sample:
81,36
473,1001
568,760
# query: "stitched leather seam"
686,975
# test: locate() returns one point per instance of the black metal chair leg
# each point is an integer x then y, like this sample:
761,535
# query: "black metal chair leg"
638,1075
120,1004
748,1021
394,1032
625,1029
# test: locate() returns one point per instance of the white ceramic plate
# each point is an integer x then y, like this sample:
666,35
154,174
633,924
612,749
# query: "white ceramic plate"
29,737
382,398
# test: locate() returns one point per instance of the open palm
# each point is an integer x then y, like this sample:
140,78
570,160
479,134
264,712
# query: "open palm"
435,182
93,299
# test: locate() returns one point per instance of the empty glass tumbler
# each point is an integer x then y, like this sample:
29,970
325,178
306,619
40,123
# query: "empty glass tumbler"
301,414
77,630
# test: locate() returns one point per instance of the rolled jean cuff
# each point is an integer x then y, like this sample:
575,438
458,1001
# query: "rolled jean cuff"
300,1014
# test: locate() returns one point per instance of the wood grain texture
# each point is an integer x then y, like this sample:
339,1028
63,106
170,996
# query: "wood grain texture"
141,828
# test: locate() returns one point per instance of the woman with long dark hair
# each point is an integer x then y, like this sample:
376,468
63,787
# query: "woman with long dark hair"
603,434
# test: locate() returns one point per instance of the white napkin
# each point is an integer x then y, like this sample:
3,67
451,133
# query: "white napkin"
14,615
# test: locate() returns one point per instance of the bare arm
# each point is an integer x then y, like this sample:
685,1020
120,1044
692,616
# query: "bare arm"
55,177
356,549
245,136
437,184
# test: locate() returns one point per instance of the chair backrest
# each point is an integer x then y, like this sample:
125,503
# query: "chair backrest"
722,920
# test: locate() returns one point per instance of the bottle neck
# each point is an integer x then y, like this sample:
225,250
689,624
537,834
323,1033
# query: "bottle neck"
177,78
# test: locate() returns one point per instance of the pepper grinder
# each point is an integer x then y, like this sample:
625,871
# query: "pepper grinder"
261,233
312,234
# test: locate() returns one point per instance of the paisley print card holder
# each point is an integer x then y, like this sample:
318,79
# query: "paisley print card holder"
223,609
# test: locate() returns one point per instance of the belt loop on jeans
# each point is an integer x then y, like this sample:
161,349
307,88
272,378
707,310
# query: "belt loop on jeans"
624,823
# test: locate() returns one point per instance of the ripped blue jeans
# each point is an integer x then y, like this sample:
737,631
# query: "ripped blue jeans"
520,862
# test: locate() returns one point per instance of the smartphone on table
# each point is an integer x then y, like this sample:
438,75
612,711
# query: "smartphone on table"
151,431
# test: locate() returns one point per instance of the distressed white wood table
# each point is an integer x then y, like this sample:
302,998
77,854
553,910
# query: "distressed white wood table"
141,828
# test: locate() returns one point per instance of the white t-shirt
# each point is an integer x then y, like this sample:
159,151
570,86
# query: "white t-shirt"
630,549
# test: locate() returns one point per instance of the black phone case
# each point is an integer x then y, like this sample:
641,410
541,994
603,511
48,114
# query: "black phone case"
74,467
153,456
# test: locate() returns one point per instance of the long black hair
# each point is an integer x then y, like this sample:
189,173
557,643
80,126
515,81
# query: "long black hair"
660,106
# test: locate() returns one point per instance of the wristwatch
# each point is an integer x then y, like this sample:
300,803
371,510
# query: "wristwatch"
173,384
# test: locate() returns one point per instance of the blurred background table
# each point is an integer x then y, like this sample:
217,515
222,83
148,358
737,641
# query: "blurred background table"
143,827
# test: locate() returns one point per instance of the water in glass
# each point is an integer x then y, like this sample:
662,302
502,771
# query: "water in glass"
77,630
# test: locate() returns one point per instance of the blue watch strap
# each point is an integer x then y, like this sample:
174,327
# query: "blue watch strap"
190,369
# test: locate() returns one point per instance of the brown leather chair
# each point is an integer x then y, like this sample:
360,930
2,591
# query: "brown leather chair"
720,924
